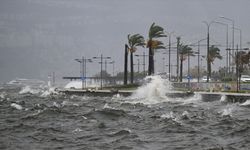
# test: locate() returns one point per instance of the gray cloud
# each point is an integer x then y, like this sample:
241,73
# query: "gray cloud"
41,36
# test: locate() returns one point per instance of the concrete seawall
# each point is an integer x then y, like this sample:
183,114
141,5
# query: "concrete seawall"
206,96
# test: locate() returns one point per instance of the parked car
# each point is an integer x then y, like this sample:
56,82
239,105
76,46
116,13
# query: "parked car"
204,79
245,78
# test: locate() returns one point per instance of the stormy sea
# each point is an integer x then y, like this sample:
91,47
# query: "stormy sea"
34,116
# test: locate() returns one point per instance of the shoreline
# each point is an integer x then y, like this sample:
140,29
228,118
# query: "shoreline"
206,96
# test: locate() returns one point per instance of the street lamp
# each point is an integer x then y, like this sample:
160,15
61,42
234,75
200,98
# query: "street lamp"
240,36
228,54
101,58
169,54
199,59
208,63
83,65
231,20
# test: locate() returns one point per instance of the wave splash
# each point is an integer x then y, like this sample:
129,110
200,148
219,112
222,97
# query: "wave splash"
153,92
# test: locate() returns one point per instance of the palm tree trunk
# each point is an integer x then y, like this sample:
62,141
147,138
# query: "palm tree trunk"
126,65
132,68
150,62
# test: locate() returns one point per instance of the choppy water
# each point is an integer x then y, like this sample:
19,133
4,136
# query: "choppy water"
36,118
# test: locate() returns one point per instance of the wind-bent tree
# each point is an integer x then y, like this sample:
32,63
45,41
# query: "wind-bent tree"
213,53
184,52
243,59
126,65
133,42
155,32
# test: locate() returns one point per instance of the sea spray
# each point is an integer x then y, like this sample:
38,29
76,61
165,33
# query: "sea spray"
246,103
223,98
28,90
154,91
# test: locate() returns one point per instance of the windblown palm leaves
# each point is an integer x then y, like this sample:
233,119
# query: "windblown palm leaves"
214,53
155,32
184,51
243,61
133,42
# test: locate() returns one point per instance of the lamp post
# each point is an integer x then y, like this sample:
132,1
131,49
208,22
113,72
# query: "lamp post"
101,58
144,58
231,20
240,36
169,54
228,53
83,65
199,59
208,59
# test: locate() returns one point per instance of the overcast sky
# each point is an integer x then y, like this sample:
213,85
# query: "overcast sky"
38,37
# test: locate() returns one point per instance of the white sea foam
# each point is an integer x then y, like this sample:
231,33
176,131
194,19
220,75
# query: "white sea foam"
106,106
56,104
77,130
156,87
228,111
223,98
49,91
246,103
78,84
169,115
191,100
28,89
152,92
16,106
67,103
175,117
2,95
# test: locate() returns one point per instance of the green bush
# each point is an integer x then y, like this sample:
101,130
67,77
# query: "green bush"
227,79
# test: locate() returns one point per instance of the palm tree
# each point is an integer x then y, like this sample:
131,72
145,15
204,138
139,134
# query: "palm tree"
155,32
243,61
213,53
184,52
133,42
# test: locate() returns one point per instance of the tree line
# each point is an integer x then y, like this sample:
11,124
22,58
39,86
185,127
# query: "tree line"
154,43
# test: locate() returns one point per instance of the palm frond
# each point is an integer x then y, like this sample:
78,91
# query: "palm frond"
135,41
156,31
214,53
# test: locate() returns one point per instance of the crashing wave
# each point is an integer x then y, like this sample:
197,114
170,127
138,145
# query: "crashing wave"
29,90
246,103
49,92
